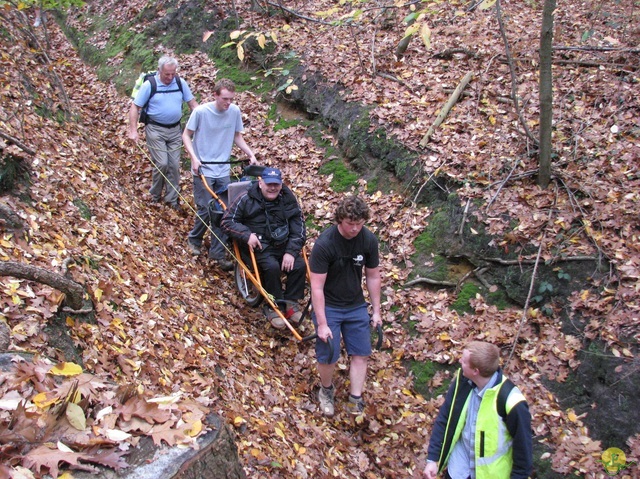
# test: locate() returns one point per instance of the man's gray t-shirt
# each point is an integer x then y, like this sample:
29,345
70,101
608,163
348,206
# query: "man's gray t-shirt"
214,134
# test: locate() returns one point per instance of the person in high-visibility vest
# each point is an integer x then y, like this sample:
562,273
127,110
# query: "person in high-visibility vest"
483,429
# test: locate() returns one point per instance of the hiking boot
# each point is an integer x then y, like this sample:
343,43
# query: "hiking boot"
274,318
294,313
326,400
355,406
194,248
223,264
175,207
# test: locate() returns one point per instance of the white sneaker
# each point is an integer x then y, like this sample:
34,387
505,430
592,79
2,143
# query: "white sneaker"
326,399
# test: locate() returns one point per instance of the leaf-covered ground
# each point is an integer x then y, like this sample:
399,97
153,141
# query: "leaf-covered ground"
174,327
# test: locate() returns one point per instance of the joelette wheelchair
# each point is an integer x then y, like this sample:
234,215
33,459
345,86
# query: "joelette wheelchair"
246,272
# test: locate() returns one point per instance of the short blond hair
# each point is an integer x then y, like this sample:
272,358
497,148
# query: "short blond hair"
485,357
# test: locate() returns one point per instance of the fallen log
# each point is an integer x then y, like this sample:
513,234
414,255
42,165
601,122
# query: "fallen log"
453,98
74,292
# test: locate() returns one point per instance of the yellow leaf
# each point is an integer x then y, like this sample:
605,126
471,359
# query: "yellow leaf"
238,421
44,400
492,119
425,34
240,52
75,416
572,416
66,369
280,433
65,475
262,41
406,392
274,37
195,429
615,352
144,297
235,34
486,4
627,353
411,29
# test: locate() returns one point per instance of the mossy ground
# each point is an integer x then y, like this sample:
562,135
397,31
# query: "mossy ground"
423,372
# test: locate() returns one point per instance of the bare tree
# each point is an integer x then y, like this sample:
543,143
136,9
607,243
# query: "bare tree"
546,93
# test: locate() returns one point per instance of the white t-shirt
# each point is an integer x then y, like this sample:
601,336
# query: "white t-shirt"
214,134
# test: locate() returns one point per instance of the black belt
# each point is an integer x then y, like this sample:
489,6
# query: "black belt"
173,125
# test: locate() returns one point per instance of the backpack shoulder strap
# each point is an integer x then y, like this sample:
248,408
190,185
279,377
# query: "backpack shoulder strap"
503,394
179,83
154,85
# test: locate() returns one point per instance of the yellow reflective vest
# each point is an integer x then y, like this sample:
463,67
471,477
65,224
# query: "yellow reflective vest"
493,443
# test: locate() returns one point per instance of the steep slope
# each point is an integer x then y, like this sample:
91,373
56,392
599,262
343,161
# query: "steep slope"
173,324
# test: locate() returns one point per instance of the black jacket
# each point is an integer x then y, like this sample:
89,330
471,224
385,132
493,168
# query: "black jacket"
248,215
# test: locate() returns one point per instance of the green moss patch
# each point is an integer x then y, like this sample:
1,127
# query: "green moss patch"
423,373
343,178
467,292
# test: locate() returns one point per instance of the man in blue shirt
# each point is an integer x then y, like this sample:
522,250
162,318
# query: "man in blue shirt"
163,132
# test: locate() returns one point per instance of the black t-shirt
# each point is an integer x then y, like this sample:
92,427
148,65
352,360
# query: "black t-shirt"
343,260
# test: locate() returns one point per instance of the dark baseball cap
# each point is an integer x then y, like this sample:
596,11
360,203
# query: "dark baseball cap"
272,175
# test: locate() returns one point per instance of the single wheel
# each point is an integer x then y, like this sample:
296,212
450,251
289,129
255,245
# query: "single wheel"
247,289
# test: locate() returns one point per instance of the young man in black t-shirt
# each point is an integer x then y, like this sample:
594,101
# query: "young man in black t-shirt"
337,261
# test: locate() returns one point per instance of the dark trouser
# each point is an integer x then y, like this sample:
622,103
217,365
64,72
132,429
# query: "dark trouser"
202,198
270,264
447,476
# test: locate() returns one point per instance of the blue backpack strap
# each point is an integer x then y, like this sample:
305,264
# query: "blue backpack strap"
503,394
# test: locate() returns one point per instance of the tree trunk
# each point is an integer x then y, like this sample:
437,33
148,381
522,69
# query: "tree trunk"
74,292
546,93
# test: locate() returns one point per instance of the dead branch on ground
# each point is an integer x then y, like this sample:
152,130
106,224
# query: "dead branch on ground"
18,143
419,280
453,99
73,291
523,319
514,262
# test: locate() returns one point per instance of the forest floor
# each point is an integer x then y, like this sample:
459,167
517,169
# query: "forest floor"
173,325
